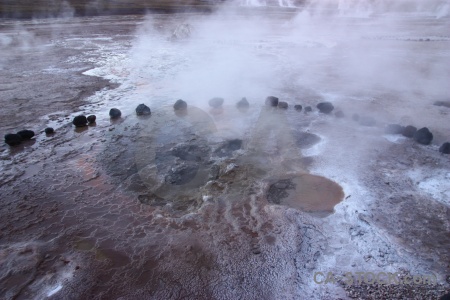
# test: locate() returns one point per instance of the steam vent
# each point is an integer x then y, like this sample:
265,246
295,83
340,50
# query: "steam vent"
248,149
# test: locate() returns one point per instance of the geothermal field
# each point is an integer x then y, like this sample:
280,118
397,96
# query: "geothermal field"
295,165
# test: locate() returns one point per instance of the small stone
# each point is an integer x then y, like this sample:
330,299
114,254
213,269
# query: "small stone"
180,105
143,110
91,119
409,131
243,103
79,121
13,139
115,113
423,136
283,105
308,109
272,101
215,102
298,107
26,134
394,129
445,148
339,114
49,130
325,107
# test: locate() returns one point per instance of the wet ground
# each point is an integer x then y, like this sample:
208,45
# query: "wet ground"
213,203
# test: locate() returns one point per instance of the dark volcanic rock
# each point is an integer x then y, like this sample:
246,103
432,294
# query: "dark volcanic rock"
180,105
442,103
91,119
298,107
355,117
182,174
26,134
283,105
445,148
272,101
339,114
79,121
243,103
325,107
423,136
409,131
367,121
143,110
308,109
279,190
115,113
13,139
216,102
190,152
394,129
228,148
49,130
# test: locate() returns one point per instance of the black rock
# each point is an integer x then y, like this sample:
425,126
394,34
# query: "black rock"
367,121
394,129
243,103
308,109
49,130
227,149
180,105
339,114
26,134
79,121
355,117
283,105
91,119
216,102
325,107
409,131
13,139
143,110
445,148
115,113
272,101
298,107
423,136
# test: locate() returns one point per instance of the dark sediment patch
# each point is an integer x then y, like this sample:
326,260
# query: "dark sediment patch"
305,139
306,192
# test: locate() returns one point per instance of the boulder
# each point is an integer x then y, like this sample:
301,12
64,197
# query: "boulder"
339,114
394,129
272,101
49,130
180,105
216,102
325,107
423,136
298,107
445,148
409,131
367,121
115,113
283,105
143,110
91,119
308,109
26,134
13,139
79,121
243,103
